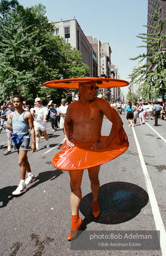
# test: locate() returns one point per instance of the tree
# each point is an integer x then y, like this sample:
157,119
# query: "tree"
16,51
6,7
31,55
132,97
152,74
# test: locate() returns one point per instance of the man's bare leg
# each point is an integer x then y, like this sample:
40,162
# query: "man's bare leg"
23,163
37,135
24,166
46,138
94,179
75,200
95,185
76,195
45,135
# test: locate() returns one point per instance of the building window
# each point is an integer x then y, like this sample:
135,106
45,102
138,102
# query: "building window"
57,31
67,32
67,40
67,35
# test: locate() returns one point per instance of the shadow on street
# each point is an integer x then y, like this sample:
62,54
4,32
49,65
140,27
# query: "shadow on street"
6,192
119,202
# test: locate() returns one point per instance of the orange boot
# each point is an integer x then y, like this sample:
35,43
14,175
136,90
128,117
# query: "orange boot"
75,226
96,208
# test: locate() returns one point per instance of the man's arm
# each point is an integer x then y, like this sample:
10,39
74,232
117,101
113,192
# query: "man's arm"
3,115
113,117
32,111
111,113
8,124
28,116
68,126
45,114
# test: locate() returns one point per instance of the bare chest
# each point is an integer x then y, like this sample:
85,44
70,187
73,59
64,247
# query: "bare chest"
86,115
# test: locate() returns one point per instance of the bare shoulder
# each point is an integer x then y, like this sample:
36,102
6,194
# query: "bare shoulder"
10,115
75,103
27,115
102,103
72,105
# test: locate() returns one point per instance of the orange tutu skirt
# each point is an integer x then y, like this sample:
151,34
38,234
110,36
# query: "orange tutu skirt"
81,156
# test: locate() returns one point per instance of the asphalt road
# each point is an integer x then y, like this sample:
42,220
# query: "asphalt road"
132,199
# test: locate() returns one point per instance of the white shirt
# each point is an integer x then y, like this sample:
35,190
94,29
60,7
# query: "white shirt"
63,109
39,113
150,107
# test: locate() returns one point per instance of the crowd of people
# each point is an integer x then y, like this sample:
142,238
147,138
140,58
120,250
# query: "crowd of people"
41,114
138,113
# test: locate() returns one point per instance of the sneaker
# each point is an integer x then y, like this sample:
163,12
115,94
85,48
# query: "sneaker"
30,179
7,152
19,190
47,146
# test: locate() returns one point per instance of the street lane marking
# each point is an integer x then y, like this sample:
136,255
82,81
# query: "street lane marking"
152,198
49,150
156,132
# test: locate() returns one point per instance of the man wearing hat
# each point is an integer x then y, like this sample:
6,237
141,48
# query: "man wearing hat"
83,131
84,147
39,113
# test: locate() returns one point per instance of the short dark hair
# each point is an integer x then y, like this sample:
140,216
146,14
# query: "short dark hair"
18,96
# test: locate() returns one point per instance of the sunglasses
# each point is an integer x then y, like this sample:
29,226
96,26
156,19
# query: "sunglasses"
94,87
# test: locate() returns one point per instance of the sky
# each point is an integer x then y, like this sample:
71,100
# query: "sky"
117,22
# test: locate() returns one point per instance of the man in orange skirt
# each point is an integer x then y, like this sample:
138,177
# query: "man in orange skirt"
86,148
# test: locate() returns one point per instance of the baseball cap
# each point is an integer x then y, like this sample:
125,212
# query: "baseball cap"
37,99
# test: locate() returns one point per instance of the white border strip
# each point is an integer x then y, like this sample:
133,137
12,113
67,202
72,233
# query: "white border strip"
156,132
152,198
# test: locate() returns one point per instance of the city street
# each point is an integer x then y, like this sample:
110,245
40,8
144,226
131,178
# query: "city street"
132,199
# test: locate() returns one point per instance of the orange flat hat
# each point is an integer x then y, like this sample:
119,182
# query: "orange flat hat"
73,83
